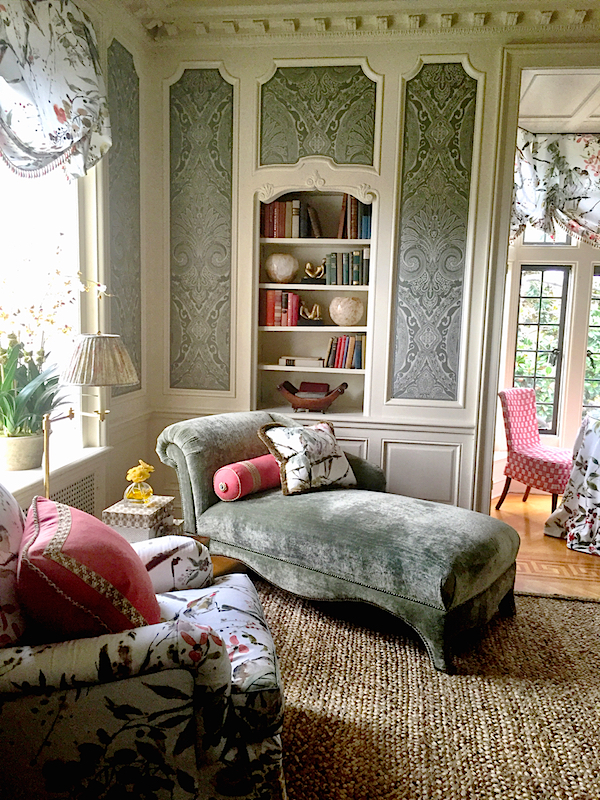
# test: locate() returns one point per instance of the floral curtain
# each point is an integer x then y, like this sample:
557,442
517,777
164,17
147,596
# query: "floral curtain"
53,107
557,182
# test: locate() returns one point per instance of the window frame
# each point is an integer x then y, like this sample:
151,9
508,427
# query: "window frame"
562,330
585,408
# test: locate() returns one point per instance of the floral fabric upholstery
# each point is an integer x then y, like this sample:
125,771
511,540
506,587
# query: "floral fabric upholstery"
528,461
53,107
190,707
12,624
309,457
576,518
175,562
557,181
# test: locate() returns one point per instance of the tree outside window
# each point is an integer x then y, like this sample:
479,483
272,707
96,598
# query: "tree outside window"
591,386
540,334
39,270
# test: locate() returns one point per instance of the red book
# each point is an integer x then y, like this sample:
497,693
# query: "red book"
270,307
270,220
345,353
293,309
353,217
340,351
284,309
278,296
280,219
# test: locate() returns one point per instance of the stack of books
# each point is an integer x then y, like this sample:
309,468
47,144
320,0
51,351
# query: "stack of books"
279,308
289,219
348,269
346,352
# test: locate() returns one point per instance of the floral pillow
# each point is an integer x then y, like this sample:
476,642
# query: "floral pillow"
309,457
12,623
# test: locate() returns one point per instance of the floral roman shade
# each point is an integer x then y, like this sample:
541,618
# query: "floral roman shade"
557,182
52,98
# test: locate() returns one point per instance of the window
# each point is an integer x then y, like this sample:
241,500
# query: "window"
39,284
40,258
533,235
591,386
540,334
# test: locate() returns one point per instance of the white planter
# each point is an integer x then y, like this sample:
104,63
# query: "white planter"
21,452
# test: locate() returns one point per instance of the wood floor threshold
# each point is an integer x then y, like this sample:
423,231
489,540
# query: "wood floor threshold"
545,565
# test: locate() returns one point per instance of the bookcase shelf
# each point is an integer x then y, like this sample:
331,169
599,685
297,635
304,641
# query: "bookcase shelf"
320,242
328,370
312,329
313,341
316,287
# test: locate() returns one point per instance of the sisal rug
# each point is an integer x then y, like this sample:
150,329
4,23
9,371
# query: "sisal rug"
368,718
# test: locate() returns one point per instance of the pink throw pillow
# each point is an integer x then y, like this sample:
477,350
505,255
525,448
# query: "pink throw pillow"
77,577
245,477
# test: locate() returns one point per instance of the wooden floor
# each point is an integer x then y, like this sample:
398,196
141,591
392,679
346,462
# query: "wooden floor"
546,565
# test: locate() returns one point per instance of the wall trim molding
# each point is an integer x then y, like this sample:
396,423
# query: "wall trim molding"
169,20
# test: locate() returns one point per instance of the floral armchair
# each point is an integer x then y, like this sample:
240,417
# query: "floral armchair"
190,707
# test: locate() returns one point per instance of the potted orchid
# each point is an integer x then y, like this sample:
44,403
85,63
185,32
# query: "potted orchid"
28,391
29,385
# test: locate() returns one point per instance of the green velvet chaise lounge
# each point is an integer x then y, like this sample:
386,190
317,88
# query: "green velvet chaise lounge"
439,568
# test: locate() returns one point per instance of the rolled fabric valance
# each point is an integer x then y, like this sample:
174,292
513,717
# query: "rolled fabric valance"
557,182
53,107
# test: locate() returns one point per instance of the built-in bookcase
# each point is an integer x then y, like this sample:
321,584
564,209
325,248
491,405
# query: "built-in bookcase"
322,222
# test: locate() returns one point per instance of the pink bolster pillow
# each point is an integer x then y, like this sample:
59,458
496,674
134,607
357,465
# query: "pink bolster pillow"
245,477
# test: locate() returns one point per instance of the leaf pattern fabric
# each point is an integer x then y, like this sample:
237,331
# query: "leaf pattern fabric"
309,457
577,516
12,624
557,182
175,562
53,107
191,707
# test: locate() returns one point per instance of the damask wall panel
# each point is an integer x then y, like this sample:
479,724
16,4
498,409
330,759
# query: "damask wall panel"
201,140
318,111
124,205
435,187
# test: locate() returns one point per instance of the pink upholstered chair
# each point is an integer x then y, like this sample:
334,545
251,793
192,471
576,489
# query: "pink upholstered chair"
528,461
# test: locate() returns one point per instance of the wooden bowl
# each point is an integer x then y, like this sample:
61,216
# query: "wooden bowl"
319,403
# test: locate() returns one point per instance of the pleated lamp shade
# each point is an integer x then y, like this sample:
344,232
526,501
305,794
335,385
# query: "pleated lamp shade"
100,359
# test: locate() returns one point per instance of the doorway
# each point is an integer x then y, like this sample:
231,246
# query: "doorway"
554,98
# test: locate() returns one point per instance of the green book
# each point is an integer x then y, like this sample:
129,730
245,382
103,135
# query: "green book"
346,269
356,267
331,269
366,260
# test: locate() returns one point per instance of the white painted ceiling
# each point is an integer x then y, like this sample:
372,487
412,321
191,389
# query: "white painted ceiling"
560,101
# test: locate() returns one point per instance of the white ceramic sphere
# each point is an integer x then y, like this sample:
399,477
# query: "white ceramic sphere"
281,267
346,310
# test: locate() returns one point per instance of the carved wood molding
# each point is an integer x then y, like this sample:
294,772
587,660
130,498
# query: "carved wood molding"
171,19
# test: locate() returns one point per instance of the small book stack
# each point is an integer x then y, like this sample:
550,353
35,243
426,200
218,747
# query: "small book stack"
309,362
289,219
355,219
348,269
279,308
346,352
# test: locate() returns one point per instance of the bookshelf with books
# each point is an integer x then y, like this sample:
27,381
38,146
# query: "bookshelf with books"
297,338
